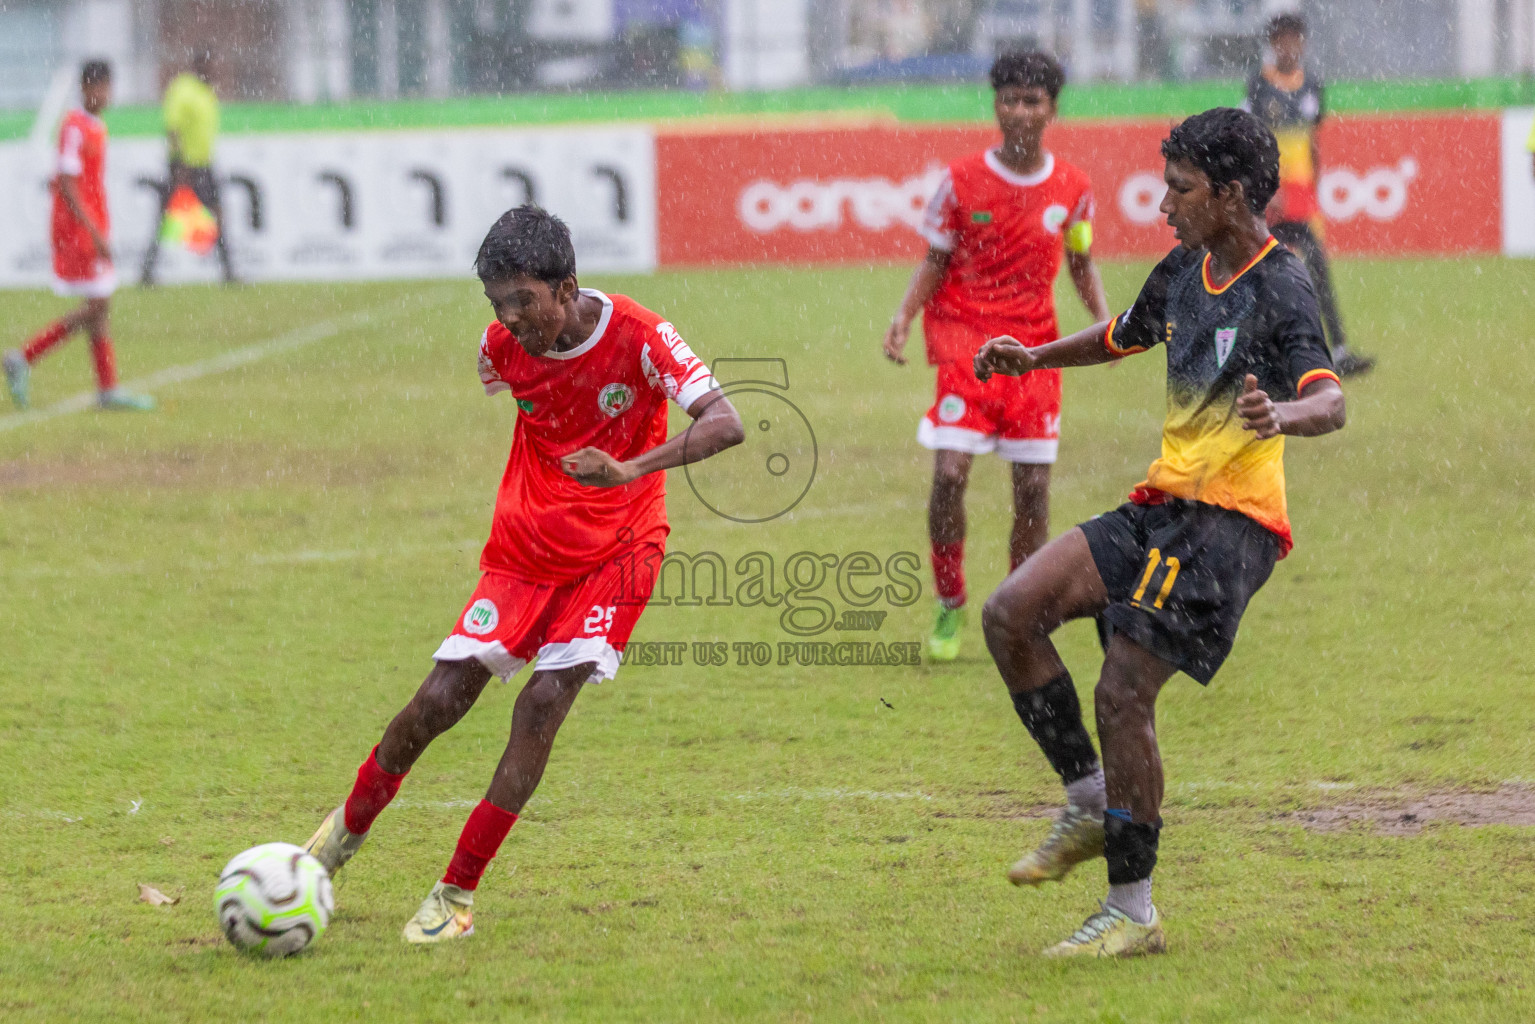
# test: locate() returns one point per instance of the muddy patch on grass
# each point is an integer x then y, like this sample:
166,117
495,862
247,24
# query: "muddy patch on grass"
1405,814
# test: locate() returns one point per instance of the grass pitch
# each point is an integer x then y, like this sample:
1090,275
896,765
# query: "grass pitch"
210,613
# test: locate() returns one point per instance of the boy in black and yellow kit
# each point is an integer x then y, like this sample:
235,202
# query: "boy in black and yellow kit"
1170,572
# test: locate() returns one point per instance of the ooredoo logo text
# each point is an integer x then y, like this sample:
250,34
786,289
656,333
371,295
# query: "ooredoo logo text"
875,204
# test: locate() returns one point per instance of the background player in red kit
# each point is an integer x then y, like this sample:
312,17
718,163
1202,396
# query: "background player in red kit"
578,534
997,228
82,253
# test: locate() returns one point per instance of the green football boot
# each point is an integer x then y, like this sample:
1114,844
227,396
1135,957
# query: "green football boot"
943,644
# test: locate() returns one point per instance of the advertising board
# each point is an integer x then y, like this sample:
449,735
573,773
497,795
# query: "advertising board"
364,205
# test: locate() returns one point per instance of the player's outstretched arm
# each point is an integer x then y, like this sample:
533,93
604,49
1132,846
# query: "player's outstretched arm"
1011,358
716,426
1319,410
923,285
1089,284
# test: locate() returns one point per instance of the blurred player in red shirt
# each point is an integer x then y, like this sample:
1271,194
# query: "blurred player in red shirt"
578,535
82,252
997,229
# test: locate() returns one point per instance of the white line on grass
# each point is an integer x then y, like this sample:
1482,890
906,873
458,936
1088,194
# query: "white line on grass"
297,338
282,558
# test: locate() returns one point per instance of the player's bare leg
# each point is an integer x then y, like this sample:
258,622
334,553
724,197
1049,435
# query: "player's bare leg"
1125,701
541,707
946,530
445,696
1058,583
1031,511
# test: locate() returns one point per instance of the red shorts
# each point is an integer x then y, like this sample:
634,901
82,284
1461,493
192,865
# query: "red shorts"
79,272
1019,418
509,622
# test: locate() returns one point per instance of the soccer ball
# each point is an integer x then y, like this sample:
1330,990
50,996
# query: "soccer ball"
273,899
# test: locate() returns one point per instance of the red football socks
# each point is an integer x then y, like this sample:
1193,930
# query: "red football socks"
371,793
44,340
483,834
106,363
949,573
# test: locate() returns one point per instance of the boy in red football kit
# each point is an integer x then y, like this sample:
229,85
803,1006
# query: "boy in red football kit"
578,534
82,254
997,228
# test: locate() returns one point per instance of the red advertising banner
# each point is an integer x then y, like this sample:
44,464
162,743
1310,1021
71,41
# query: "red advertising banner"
1389,186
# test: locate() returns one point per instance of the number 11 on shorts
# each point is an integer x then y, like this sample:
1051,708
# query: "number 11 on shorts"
1153,561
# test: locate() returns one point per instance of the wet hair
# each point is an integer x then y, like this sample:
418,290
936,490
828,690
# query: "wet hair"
94,72
1229,145
528,241
1028,68
1290,24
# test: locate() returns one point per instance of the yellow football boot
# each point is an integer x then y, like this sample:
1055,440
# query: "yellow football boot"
1111,932
448,913
332,845
1076,836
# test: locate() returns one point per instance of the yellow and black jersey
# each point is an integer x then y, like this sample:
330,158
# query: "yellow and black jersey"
1293,107
1262,322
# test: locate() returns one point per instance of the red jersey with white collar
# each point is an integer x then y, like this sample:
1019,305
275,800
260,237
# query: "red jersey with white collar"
608,393
1006,233
82,155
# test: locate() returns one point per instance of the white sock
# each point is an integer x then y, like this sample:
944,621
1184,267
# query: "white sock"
1133,899
1088,792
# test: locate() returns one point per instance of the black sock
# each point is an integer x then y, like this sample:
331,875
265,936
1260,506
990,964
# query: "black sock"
1053,716
1129,847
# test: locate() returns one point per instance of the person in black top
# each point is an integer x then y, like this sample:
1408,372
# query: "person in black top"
1170,572
1290,98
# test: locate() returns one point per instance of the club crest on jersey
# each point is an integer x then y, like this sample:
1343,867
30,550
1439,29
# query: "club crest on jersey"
481,617
951,408
615,398
525,405
1055,216
1225,341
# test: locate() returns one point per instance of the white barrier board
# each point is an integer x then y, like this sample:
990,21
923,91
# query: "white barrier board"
354,206
1518,183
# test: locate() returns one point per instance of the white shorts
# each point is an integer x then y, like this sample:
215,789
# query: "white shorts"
99,287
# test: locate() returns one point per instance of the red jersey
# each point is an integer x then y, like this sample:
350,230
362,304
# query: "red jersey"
82,155
1006,233
609,393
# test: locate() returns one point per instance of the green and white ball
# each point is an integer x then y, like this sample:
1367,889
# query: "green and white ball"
273,899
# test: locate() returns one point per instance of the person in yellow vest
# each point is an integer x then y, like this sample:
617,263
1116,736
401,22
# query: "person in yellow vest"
191,124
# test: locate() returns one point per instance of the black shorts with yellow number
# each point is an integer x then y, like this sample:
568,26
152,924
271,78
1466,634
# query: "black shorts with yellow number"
1179,576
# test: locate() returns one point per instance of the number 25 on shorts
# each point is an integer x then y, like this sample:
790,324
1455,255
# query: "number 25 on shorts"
1153,562
599,620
